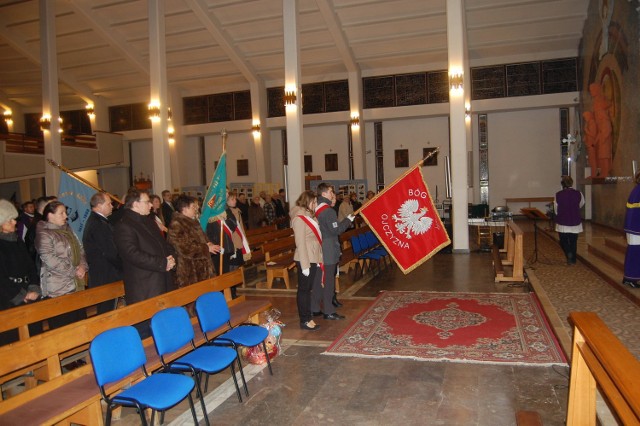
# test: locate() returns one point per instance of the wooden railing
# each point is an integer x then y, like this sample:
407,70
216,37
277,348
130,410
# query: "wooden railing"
600,360
21,143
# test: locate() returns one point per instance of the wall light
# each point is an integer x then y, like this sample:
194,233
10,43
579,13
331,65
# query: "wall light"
45,122
172,134
456,81
355,121
154,111
60,125
290,97
467,111
8,117
90,111
256,128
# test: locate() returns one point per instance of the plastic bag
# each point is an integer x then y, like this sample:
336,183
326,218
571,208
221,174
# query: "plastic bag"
255,354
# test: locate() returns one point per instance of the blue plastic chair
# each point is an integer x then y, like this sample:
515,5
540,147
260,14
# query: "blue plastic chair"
213,313
118,352
172,330
375,246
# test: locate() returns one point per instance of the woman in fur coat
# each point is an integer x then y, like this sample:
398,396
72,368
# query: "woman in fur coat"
192,247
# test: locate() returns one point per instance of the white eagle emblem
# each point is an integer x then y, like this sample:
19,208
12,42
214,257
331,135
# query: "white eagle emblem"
410,219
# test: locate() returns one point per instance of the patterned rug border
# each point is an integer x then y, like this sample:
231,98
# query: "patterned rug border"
534,298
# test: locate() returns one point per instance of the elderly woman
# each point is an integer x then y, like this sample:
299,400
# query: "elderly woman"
192,247
63,260
308,254
18,277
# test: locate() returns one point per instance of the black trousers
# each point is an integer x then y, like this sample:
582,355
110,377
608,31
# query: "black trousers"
305,285
569,244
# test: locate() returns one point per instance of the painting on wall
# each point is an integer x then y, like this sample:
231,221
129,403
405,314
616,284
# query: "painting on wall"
433,160
402,157
308,164
331,162
243,167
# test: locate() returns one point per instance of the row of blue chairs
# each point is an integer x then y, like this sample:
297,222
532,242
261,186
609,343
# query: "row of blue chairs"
367,249
118,352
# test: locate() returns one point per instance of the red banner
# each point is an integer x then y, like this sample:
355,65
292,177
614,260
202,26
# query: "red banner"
406,221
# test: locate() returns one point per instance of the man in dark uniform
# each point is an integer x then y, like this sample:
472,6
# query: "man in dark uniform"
330,230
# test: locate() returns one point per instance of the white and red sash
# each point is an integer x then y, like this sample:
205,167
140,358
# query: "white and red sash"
321,207
315,228
245,244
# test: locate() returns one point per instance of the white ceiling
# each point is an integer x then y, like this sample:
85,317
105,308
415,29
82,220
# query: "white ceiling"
221,45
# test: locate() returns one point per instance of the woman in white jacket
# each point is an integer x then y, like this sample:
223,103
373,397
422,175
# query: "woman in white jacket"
308,255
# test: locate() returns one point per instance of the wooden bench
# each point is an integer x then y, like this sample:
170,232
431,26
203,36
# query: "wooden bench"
513,241
21,316
599,360
262,230
278,259
257,241
74,397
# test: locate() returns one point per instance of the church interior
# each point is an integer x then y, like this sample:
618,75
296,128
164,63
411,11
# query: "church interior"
511,94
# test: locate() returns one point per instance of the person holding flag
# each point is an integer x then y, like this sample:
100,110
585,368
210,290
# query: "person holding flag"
232,239
330,230
405,220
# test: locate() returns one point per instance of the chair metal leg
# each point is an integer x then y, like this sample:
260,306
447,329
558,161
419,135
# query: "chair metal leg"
235,381
204,409
108,419
244,382
266,355
193,410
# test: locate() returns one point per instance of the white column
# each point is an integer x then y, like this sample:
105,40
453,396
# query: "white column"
159,96
295,142
458,132
262,138
50,100
357,132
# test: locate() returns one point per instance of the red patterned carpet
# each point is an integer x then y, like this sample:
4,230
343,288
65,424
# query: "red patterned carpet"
496,328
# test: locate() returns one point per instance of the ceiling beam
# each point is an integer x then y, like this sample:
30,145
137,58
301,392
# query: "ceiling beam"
113,38
214,27
16,42
335,29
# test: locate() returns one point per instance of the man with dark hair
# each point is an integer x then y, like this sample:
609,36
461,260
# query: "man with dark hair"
147,258
330,229
167,207
25,218
102,256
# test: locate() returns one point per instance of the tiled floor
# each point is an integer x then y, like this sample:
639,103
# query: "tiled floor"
309,388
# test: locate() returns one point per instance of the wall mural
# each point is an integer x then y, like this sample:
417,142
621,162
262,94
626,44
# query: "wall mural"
609,111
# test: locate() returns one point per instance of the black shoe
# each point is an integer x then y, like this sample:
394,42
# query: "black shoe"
632,284
306,326
316,314
333,316
335,302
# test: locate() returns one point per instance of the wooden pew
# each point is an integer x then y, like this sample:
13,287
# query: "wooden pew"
278,259
513,246
600,360
74,397
21,316
262,230
257,241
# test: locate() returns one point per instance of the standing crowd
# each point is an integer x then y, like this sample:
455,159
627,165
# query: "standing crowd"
154,244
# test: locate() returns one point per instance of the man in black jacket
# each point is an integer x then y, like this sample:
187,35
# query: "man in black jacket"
167,207
104,262
147,258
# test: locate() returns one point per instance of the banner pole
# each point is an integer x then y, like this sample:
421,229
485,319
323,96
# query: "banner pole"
81,179
419,164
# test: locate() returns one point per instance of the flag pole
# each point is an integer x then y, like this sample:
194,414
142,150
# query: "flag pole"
83,180
223,134
419,164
